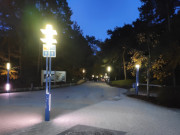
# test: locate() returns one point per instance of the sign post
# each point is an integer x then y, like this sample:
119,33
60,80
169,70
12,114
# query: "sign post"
49,50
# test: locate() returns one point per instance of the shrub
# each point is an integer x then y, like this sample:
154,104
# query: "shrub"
123,83
169,97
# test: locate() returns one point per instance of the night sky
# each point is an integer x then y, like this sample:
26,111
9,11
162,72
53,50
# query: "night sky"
95,17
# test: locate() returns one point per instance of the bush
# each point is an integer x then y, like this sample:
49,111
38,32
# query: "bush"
169,97
123,83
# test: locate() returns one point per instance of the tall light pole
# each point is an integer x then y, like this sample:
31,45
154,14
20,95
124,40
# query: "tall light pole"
49,50
83,71
109,70
92,77
137,78
8,66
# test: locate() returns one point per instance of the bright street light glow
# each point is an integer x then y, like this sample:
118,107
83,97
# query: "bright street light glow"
49,32
7,87
49,50
92,75
109,69
8,66
83,70
137,66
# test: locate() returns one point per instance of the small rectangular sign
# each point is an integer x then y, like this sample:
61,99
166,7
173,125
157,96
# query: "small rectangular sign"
49,51
56,76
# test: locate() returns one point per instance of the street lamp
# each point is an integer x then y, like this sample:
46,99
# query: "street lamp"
137,78
109,70
83,71
92,77
97,78
8,66
49,50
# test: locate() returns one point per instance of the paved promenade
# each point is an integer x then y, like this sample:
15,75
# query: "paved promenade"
85,109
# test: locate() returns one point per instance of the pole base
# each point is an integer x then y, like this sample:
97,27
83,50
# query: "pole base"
47,111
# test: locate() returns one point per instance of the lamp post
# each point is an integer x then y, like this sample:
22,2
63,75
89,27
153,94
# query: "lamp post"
49,50
83,71
109,70
92,77
97,78
7,84
137,78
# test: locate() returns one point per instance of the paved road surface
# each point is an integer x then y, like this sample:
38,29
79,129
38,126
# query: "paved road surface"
91,104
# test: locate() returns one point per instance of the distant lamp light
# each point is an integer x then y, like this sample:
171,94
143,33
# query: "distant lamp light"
137,66
109,69
97,76
101,76
7,87
83,71
8,66
93,76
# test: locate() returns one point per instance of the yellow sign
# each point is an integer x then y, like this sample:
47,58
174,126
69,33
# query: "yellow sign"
46,48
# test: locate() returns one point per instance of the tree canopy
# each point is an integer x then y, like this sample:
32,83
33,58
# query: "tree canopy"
151,41
20,35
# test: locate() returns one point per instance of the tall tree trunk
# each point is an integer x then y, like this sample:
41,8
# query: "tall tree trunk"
20,61
169,30
148,77
148,66
124,63
38,62
174,78
9,53
168,18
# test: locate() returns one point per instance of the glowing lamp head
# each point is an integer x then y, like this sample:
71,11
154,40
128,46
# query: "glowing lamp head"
97,77
137,66
8,66
49,32
92,75
83,70
7,87
109,69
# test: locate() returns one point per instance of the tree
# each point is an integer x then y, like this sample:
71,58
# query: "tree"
122,39
28,18
93,43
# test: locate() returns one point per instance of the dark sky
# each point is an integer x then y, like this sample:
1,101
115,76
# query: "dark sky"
95,17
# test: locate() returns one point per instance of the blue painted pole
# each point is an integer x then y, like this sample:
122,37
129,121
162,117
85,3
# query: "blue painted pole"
137,81
50,83
8,84
47,93
7,76
49,75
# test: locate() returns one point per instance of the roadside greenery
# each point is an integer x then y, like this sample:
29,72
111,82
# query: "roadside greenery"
20,44
123,83
151,41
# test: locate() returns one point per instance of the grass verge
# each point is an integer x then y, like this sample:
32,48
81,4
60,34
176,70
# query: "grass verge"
122,83
168,97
